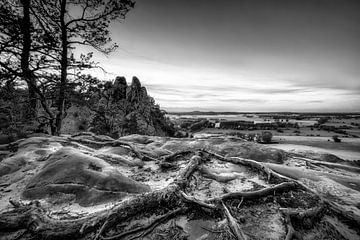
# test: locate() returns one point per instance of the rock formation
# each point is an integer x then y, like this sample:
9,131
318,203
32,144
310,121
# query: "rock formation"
128,109
119,89
88,179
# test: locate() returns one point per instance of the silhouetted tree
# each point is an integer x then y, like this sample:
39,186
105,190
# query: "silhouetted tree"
38,37
90,27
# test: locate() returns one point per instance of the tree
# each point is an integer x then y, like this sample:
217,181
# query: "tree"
26,53
49,31
336,138
89,28
266,137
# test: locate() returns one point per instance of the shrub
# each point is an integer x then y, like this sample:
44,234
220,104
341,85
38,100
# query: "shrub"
336,138
266,137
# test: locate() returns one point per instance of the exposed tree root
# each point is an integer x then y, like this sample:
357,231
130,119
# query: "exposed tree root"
349,215
331,165
282,187
33,218
115,143
291,233
315,212
208,174
151,226
101,230
300,215
252,164
195,201
171,157
234,226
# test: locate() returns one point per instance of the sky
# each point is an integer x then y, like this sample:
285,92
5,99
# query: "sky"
236,55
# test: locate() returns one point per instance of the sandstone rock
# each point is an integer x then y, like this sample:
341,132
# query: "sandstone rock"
136,113
12,164
119,89
91,180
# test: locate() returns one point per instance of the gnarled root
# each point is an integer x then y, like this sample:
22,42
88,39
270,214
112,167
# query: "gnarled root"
219,178
282,187
148,228
252,164
234,226
33,217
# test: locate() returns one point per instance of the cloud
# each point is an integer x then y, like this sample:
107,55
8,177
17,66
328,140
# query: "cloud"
242,100
315,101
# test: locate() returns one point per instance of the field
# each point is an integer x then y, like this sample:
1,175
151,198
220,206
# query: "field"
306,137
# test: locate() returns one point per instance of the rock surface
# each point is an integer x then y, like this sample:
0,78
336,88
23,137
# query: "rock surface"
90,179
89,175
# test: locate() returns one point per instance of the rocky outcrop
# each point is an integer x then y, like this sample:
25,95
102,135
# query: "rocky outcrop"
119,89
128,109
89,180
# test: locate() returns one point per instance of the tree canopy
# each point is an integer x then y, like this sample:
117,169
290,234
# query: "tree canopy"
36,47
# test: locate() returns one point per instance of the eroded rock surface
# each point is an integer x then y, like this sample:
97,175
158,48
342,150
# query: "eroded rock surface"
138,178
90,179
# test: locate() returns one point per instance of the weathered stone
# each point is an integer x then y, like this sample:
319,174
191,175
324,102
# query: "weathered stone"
90,179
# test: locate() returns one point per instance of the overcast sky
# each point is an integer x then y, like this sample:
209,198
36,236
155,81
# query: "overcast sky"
235,55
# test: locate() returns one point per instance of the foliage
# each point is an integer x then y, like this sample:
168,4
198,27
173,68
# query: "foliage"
336,138
35,43
266,137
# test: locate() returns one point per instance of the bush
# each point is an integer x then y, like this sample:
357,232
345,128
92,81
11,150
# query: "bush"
266,137
336,138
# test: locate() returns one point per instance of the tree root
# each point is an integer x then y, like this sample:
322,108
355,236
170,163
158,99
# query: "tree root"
291,233
285,186
331,165
34,218
150,226
195,201
208,174
173,156
315,212
300,215
115,143
101,230
234,226
35,221
252,164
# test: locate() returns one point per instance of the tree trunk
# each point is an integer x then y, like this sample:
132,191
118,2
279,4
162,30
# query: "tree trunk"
25,59
64,66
